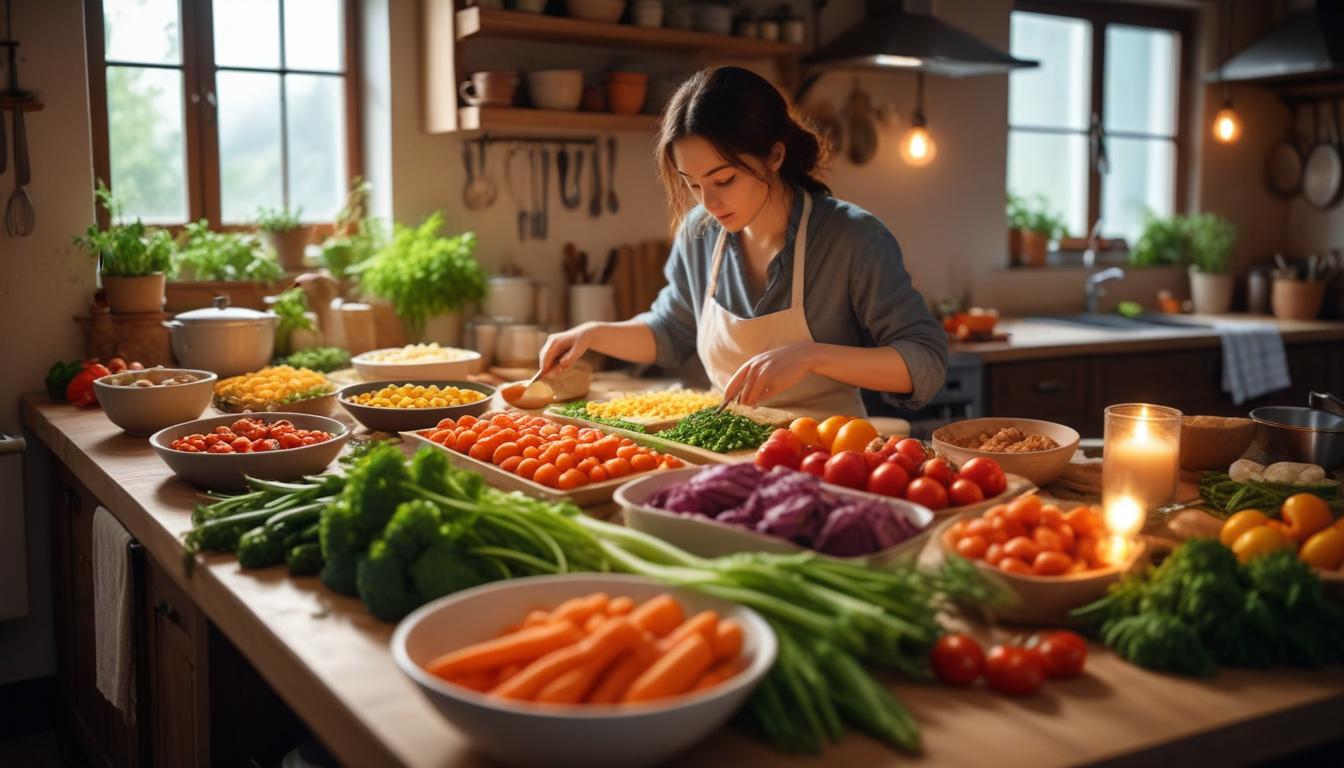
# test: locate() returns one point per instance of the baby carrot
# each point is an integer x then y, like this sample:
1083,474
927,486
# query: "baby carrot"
503,674
716,674
674,673
522,646
578,609
594,621
620,606
600,647
660,615
534,618
626,669
704,623
476,681
727,640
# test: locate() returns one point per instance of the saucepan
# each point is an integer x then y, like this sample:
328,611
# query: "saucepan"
1289,433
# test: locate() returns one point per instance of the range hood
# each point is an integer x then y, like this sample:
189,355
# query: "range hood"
1307,46
907,37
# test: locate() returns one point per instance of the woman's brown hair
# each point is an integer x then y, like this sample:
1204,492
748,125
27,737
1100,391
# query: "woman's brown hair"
739,113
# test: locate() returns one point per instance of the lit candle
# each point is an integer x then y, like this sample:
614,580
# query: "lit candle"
1142,454
1124,518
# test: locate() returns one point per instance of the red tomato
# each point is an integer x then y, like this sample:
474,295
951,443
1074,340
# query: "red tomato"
1014,671
889,480
116,365
986,473
972,547
815,463
240,445
957,659
927,492
965,492
775,453
1049,563
1022,548
1062,653
940,470
788,438
874,459
912,451
846,468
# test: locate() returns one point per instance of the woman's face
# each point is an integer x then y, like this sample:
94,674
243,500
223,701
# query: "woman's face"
729,193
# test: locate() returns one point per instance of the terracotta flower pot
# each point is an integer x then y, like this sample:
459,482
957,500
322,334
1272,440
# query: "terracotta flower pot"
288,246
1014,247
1034,247
1297,299
1211,292
133,295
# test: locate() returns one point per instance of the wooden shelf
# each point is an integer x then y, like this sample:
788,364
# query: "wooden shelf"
477,22
498,119
27,105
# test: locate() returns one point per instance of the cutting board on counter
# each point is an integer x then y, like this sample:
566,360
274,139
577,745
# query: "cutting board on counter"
682,451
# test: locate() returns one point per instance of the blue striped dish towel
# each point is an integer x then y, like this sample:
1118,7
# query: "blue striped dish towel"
1254,361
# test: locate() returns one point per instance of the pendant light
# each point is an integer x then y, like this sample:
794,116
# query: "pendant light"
917,146
1227,123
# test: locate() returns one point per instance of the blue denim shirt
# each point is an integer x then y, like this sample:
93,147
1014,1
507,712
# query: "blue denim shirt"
856,291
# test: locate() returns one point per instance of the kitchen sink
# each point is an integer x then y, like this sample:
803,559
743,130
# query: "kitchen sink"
1145,321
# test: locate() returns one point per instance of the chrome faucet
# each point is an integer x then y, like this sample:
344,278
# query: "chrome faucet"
1093,238
1092,290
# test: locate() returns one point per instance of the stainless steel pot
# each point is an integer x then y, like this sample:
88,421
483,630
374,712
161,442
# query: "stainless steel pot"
226,340
1289,433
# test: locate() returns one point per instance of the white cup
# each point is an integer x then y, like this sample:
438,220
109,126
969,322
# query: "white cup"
591,303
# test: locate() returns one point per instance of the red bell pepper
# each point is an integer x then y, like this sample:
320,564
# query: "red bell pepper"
80,389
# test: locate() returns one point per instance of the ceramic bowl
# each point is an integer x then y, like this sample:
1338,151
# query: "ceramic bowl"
226,472
1214,442
393,420
591,736
1040,467
626,99
558,89
146,410
370,369
608,11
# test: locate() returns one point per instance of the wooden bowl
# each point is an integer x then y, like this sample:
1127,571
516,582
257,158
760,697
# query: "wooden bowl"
393,420
1214,442
1040,467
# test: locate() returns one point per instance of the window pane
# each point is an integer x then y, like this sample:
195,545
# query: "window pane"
146,31
314,34
247,33
1052,165
249,144
1142,76
1058,93
315,106
144,137
1142,180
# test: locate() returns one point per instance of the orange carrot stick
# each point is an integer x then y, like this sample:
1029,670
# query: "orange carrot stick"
620,606
476,681
674,673
600,648
594,622
727,640
504,673
660,615
578,609
535,618
705,623
625,671
716,675
522,646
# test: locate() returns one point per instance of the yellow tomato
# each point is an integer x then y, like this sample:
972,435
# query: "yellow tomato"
805,429
854,435
1306,514
1259,541
828,429
1240,523
1325,549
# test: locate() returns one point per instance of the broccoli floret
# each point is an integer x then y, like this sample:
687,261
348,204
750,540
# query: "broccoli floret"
340,548
382,583
373,488
304,559
431,470
413,527
443,569
261,547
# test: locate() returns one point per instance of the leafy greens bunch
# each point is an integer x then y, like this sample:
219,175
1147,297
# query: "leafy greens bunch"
126,250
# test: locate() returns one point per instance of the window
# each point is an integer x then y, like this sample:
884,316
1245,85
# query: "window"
210,109
1098,129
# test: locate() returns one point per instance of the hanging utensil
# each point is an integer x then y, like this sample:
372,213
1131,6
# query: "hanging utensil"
20,218
545,190
1283,165
595,205
861,127
513,192
1324,170
571,195
613,205
490,191
535,224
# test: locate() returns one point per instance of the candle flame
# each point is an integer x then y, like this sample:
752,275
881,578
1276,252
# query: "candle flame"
1124,517
1141,429
1115,550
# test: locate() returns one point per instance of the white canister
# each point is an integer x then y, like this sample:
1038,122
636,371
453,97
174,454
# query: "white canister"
519,345
483,336
591,303
511,299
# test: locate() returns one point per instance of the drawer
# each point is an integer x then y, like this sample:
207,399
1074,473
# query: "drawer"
1190,380
1038,388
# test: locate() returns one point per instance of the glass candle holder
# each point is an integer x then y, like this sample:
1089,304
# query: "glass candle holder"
1141,463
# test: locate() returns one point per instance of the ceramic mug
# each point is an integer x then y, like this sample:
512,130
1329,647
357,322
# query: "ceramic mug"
558,89
489,89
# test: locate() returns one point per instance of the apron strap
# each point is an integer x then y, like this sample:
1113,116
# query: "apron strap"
799,258
714,265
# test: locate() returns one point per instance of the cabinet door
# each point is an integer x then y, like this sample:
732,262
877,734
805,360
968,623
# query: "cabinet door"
175,681
1189,380
1055,390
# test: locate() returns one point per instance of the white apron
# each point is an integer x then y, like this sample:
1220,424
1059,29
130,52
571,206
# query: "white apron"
726,341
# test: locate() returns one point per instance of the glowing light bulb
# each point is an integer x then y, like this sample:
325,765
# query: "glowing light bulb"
917,146
1227,124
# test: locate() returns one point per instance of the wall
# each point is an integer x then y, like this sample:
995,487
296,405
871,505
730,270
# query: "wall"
46,280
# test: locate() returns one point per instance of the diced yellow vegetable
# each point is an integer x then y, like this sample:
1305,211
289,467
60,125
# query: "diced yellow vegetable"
669,404
408,396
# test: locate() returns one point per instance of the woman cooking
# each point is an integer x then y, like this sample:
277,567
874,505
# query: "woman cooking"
791,298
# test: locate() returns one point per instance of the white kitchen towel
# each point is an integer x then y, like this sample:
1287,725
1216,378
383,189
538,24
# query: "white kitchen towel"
113,634
1254,361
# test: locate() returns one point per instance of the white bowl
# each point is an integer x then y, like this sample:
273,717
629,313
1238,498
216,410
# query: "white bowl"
370,370
592,736
710,538
1040,467
558,89
227,471
146,410
608,11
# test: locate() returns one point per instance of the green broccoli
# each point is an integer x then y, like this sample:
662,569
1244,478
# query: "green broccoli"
413,527
382,583
261,547
340,548
304,559
431,470
222,534
443,569
373,488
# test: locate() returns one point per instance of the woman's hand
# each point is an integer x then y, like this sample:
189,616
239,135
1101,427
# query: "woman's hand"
772,372
564,349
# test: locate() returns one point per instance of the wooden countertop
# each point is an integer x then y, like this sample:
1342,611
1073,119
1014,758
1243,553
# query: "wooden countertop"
329,660
1038,339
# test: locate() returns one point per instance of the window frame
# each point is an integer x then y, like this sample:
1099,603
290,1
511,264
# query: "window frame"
1101,15
199,107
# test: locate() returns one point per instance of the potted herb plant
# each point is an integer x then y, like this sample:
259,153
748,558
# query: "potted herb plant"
1161,244
356,235
426,277
286,235
1209,239
132,259
209,264
296,327
1035,225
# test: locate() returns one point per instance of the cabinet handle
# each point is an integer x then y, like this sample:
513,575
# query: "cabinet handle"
167,611
1050,386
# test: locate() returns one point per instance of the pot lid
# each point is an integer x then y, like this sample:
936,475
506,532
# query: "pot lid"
222,312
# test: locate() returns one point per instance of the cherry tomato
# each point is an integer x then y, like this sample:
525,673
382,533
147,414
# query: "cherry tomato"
927,492
1051,563
889,480
1013,565
815,463
547,475
240,445
986,473
1026,510
912,451
1014,671
774,453
846,468
1022,548
964,492
1062,653
940,470
972,547
789,439
994,554
957,659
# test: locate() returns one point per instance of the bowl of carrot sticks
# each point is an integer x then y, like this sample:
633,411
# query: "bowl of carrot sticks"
584,669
